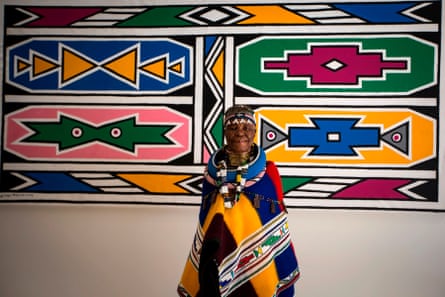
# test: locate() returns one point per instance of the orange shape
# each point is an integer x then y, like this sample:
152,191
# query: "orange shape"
124,65
157,68
271,14
157,183
41,65
218,69
74,65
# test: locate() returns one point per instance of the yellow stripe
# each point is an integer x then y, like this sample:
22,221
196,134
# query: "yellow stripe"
189,279
242,220
264,283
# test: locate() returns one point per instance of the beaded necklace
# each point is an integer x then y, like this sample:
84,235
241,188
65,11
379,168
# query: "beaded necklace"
226,188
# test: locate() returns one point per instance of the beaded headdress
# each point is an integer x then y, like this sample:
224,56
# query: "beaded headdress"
239,114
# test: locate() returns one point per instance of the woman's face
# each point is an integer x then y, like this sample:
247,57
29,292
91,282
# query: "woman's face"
240,137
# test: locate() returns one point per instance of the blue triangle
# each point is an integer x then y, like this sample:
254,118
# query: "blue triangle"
379,12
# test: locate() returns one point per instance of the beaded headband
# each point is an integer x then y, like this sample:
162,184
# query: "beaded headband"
239,118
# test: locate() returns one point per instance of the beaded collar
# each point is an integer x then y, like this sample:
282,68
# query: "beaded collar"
232,181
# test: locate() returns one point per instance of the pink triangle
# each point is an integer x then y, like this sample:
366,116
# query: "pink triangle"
206,154
374,189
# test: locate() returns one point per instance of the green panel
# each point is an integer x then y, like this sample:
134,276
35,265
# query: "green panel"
420,54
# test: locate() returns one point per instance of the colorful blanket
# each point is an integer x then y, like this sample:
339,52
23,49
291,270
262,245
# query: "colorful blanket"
245,250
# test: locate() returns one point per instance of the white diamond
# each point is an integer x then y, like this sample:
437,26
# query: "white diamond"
334,65
214,15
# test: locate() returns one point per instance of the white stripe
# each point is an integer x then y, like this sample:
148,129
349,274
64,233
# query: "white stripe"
198,103
125,10
211,30
228,79
122,190
307,194
109,17
357,101
323,14
100,99
341,21
337,180
321,187
361,173
105,182
308,7
92,175
108,197
94,24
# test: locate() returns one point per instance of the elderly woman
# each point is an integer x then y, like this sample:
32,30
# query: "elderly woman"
242,245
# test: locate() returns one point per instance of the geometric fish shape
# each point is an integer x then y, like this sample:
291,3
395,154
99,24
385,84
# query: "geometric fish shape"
99,133
347,137
69,133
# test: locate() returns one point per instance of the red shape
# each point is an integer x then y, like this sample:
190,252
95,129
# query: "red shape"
375,189
59,16
352,65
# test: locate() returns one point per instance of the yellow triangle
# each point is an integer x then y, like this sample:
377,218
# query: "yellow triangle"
272,14
22,65
124,66
157,68
218,69
157,183
74,65
176,67
41,65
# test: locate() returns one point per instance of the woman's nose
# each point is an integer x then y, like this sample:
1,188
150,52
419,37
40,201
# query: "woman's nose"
240,131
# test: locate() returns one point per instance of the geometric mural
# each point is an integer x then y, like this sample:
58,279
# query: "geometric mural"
124,104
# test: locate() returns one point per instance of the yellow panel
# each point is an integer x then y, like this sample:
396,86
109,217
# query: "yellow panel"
218,69
422,136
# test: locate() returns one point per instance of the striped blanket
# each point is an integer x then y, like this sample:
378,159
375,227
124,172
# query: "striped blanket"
245,250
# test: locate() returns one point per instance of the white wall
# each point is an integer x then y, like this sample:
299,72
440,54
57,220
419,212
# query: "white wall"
51,250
